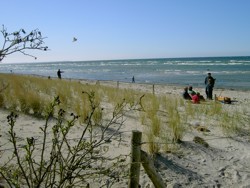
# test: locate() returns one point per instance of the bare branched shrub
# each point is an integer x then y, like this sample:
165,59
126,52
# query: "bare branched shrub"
57,160
21,41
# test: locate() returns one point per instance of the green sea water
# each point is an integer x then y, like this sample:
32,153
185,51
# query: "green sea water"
230,72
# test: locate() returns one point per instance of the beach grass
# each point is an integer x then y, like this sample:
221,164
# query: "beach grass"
165,118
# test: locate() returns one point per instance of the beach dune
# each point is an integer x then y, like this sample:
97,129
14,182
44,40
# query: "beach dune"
224,163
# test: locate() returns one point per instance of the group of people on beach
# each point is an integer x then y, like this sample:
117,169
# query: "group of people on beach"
190,94
195,97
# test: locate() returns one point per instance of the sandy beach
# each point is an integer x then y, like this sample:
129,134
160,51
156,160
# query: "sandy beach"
225,163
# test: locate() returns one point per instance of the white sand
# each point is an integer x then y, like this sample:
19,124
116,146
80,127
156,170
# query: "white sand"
225,163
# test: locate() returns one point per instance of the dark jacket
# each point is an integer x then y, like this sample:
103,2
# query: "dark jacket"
212,80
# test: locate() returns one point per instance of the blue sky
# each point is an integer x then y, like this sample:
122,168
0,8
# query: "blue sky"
131,29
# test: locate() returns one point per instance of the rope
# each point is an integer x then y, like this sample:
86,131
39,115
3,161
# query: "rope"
119,133
48,142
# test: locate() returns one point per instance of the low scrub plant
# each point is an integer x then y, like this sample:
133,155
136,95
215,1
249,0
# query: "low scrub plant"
229,122
59,161
153,147
156,125
177,127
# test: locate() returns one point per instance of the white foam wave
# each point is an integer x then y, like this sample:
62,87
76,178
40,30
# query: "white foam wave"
235,63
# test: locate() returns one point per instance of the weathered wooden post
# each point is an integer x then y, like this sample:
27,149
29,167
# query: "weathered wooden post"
135,159
117,85
150,169
153,89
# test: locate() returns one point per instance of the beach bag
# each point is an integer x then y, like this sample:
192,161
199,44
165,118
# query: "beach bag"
227,100
222,99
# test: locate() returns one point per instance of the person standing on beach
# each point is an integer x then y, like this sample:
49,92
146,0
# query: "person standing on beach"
59,73
133,79
209,89
209,82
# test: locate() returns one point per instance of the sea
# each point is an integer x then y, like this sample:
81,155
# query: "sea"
230,72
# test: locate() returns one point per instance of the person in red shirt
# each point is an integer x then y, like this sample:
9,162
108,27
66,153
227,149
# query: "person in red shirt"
196,98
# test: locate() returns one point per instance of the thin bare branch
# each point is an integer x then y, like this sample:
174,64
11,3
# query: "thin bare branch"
21,41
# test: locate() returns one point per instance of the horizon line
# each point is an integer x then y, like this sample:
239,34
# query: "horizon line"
187,57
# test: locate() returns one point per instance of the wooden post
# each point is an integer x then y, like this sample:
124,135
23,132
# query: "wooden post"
153,89
135,159
149,167
117,85
215,97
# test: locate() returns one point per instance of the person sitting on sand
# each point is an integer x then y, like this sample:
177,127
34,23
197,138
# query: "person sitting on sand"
196,98
191,92
185,94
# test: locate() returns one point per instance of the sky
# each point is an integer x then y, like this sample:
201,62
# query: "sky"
130,29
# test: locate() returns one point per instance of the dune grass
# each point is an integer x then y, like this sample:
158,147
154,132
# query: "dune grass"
165,118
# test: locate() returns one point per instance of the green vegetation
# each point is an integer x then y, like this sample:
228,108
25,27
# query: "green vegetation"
57,160
165,120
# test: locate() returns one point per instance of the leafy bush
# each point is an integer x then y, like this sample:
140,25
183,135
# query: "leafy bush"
60,161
